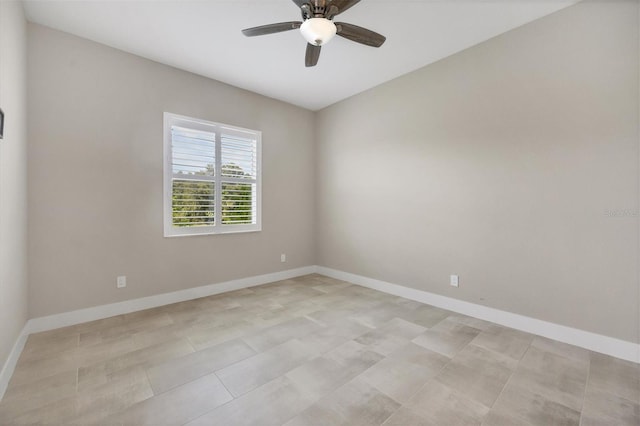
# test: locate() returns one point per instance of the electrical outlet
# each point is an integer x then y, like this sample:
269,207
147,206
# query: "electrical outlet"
121,281
454,280
283,258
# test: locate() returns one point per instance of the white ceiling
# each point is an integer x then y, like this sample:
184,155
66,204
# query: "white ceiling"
204,37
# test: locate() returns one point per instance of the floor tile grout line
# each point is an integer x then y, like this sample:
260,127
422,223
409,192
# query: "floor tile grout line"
425,384
509,379
403,405
186,338
469,343
78,367
584,396
233,397
146,373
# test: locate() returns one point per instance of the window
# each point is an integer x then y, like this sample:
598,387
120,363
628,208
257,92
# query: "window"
211,177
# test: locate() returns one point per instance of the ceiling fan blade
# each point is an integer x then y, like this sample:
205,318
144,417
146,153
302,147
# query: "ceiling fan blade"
343,5
359,34
312,55
271,28
299,3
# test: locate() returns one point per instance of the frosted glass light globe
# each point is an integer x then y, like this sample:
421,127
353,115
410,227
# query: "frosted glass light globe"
318,31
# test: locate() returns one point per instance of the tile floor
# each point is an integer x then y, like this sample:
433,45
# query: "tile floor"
312,351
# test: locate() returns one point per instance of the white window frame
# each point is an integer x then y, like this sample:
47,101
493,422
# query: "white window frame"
170,120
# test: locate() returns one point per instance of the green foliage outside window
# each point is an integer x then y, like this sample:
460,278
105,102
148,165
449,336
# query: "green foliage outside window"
193,201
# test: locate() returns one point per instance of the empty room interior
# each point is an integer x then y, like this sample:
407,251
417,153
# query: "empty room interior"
320,212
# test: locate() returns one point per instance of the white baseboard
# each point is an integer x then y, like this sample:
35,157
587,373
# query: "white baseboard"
10,365
65,319
596,342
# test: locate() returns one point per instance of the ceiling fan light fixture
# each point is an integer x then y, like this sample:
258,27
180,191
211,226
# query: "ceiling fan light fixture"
318,31
317,27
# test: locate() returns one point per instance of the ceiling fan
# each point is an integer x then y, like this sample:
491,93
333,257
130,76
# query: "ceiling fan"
317,27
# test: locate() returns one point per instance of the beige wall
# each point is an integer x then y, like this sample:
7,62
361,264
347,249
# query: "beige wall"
13,176
498,164
95,177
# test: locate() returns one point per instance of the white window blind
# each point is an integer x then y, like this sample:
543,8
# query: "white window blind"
239,165
212,177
